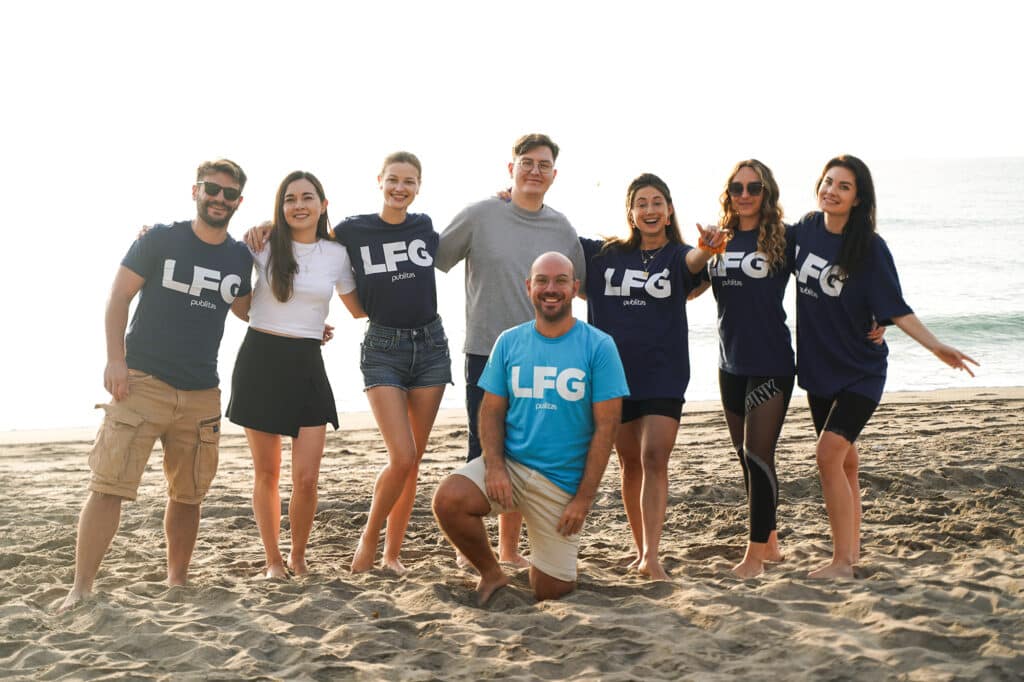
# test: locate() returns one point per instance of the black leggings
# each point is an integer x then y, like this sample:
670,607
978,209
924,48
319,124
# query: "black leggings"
755,407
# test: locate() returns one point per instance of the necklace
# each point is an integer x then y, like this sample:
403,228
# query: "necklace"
647,257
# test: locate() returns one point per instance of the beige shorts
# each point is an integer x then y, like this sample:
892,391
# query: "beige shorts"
541,503
186,422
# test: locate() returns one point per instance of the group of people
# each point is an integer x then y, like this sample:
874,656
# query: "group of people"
547,396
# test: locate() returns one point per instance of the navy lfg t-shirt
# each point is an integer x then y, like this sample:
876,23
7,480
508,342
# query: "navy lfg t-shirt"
643,307
190,285
394,268
834,315
753,339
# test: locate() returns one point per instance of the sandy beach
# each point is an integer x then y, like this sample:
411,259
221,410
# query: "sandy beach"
939,593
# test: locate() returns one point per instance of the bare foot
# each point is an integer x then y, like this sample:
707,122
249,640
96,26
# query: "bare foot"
635,564
72,600
774,556
461,561
517,560
652,569
485,589
831,571
395,566
297,565
748,568
177,580
275,571
365,553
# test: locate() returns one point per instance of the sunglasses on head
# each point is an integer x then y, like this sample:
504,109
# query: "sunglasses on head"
212,189
754,189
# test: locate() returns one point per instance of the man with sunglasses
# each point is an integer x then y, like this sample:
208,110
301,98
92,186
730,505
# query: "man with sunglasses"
162,375
499,241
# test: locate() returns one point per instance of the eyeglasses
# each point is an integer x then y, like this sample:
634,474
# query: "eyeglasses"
212,189
543,167
754,189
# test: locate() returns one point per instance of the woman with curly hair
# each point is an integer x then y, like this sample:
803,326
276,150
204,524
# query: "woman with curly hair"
636,289
755,358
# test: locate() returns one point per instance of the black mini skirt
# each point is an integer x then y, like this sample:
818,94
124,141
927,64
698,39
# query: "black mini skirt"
279,384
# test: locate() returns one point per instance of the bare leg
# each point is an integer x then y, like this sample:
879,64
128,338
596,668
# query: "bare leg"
390,409
658,435
459,507
627,446
307,453
773,552
422,410
510,528
181,525
97,525
851,467
266,498
832,452
547,587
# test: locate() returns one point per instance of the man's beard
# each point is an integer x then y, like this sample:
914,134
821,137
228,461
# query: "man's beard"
204,213
564,311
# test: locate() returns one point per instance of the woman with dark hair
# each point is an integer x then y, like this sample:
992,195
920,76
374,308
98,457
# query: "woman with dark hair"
755,359
404,358
279,386
846,282
636,290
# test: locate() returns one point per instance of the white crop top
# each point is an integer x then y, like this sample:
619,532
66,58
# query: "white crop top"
324,267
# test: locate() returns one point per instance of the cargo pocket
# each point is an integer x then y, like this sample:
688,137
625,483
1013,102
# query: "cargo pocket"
111,454
206,459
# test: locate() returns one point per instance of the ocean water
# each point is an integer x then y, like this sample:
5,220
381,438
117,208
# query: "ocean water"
955,228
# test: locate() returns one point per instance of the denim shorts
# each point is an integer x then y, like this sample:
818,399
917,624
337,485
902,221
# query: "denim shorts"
405,358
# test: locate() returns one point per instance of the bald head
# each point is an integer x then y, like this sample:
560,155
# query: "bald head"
552,286
552,264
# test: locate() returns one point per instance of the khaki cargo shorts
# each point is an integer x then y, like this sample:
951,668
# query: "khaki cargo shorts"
186,422
541,503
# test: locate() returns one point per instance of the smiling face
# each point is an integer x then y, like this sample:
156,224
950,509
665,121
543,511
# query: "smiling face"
533,172
837,191
302,208
216,210
400,183
650,213
745,205
552,286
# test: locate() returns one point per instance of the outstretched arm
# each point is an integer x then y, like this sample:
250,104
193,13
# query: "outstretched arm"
115,376
915,329
607,414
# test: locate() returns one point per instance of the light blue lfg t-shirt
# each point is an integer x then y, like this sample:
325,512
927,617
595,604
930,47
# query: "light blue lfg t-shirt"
551,385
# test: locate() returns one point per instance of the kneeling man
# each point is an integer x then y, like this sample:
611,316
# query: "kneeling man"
552,402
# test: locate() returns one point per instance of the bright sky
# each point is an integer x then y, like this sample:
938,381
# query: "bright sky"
109,106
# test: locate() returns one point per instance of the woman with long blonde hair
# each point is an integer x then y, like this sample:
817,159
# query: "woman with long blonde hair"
756,367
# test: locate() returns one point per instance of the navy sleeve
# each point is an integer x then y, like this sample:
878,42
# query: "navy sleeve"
143,255
691,280
885,296
591,247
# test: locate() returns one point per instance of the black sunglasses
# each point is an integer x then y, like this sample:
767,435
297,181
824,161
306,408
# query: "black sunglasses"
212,189
754,189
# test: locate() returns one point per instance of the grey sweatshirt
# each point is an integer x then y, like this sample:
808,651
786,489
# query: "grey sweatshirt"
499,242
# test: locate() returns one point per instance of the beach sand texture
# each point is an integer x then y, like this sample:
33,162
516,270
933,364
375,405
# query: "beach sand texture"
939,594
